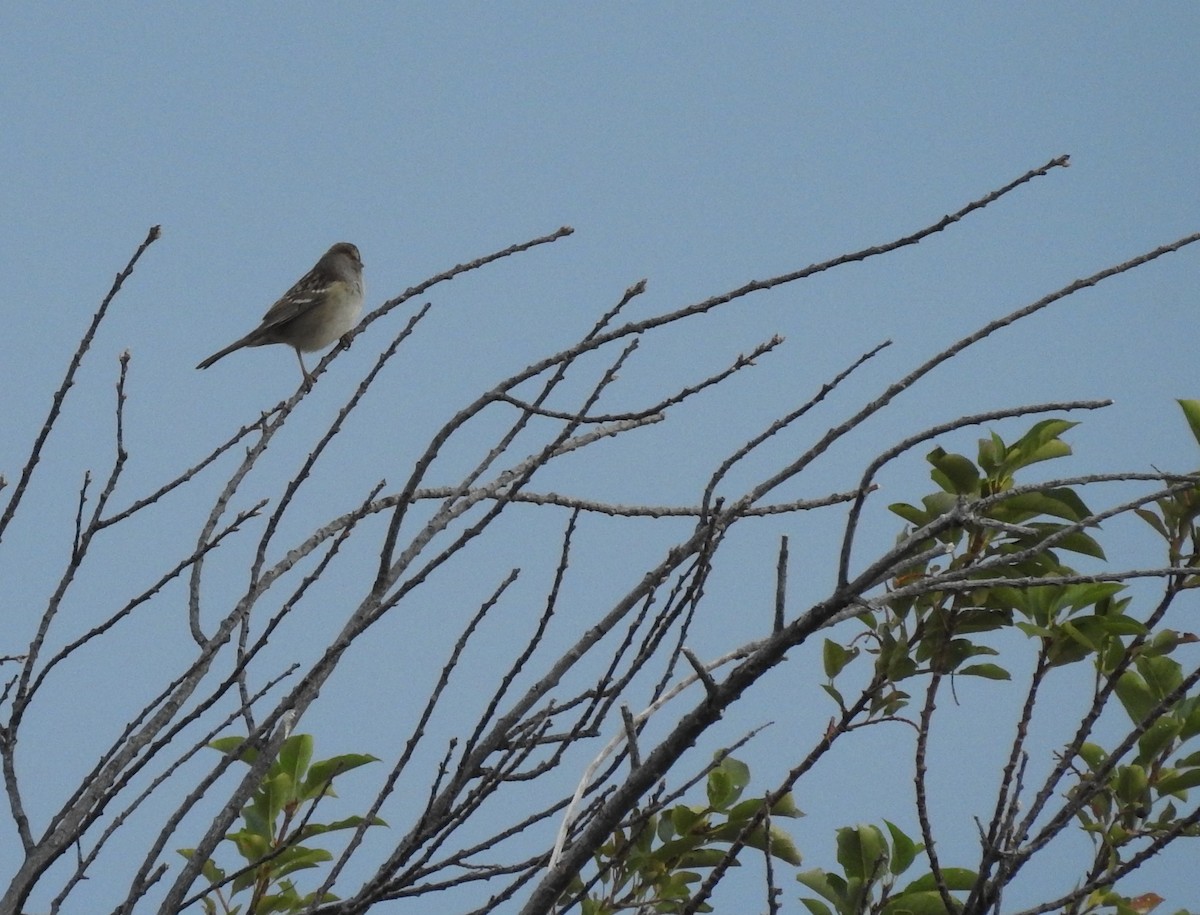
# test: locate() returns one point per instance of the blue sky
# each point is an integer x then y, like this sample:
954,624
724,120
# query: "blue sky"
697,146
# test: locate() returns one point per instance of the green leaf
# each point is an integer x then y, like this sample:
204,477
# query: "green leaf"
991,453
817,907
939,503
1177,783
956,878
254,820
1094,755
954,473
1047,452
208,870
1066,649
739,772
243,882
987,671
1057,503
742,811
1081,543
352,822
1163,675
1037,632
286,900
227,745
720,789
786,807
836,657
1101,593
1132,784
894,661
250,845
928,902
1089,632
643,840
829,886
1167,640
910,513
726,782
974,619
904,849
837,697
1040,443
297,858
294,757
1189,713
276,793
1191,412
862,851
1158,737
321,774
782,846
699,857
1135,696
1187,762
1121,625
1153,520
685,819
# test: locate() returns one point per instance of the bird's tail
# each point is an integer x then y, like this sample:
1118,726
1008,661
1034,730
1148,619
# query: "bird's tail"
222,353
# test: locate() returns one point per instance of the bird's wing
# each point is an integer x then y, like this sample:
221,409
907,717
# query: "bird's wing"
297,300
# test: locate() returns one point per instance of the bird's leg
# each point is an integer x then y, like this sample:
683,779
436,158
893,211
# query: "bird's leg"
303,368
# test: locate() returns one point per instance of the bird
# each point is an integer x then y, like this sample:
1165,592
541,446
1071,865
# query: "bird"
324,304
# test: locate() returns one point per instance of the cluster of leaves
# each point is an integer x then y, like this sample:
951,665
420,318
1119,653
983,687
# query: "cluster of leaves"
1007,539
870,865
1134,797
1135,787
654,866
987,559
1175,518
275,824
997,534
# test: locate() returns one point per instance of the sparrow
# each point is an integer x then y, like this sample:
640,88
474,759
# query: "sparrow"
324,304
